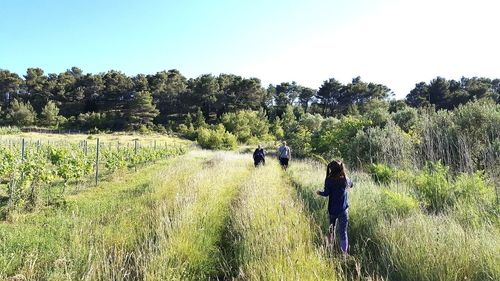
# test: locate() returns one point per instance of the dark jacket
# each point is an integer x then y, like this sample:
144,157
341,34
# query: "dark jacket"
259,154
336,190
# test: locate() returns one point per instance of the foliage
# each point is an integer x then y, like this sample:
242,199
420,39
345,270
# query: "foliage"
389,145
381,173
397,204
448,94
46,166
50,115
434,188
246,124
335,141
21,114
9,130
217,138
406,118
299,138
377,111
463,139
140,110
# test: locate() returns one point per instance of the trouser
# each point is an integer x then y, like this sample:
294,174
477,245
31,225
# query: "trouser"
342,219
259,161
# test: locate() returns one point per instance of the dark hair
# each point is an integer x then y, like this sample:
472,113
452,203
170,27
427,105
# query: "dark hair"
335,169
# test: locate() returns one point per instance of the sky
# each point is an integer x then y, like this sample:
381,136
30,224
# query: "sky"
395,43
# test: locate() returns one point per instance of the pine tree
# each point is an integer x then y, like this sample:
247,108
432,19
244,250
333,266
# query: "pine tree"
141,111
50,115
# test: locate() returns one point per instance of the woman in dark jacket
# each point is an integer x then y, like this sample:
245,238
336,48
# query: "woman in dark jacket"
336,185
259,156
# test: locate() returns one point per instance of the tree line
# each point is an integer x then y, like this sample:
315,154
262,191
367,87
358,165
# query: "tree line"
115,101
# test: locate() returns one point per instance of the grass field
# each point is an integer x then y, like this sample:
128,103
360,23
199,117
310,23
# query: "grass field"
122,138
213,216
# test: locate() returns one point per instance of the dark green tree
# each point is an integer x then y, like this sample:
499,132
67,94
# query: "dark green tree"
330,96
439,93
168,89
419,96
38,88
305,97
141,111
10,84
205,93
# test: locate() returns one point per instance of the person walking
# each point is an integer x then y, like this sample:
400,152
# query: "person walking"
259,156
336,186
284,155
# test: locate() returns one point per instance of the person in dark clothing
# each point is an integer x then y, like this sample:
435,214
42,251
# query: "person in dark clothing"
336,185
259,156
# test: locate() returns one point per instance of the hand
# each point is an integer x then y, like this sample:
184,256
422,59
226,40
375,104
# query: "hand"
318,192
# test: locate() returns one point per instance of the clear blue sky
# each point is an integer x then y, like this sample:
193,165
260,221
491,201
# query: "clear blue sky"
397,43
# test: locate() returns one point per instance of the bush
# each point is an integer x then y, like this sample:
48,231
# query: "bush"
216,139
187,131
404,176
299,139
389,145
476,201
377,111
21,114
406,118
246,124
434,188
382,174
9,130
398,204
464,138
91,120
334,139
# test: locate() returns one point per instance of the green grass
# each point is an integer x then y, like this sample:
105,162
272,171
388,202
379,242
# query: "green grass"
99,233
273,234
393,236
213,216
190,243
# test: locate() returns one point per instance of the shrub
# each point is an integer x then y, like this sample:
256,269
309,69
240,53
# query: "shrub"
405,118
476,201
382,174
21,114
246,124
9,130
404,176
299,139
91,120
334,138
216,139
389,145
377,111
434,188
398,204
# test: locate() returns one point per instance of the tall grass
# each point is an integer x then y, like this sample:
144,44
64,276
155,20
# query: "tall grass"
191,237
391,235
274,239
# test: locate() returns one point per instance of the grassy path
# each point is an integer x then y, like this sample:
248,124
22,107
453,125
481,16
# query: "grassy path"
272,233
201,216
191,239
